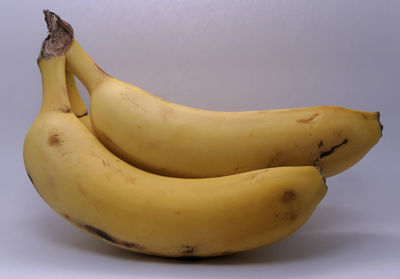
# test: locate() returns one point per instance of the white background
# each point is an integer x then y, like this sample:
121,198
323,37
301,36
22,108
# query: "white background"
219,55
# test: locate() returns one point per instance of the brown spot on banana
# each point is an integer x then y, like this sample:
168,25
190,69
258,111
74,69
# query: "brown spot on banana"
82,115
332,149
308,120
288,196
54,140
251,177
66,109
254,175
287,216
131,179
104,235
188,250
293,216
81,190
316,162
106,163
177,212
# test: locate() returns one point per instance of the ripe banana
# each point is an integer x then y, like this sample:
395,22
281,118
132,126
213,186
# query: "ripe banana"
140,211
180,141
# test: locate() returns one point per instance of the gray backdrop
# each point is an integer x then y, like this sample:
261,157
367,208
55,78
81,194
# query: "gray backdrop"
218,55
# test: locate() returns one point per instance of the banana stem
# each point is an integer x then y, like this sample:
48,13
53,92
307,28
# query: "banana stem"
61,41
51,63
84,68
60,36
55,96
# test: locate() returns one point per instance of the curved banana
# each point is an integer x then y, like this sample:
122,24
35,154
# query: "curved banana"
180,141
140,211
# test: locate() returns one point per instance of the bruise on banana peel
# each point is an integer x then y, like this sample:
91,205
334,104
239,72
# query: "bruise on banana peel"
54,140
290,215
288,196
286,216
82,115
103,234
186,250
66,109
308,120
332,149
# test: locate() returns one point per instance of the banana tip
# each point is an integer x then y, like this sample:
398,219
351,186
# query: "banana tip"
378,117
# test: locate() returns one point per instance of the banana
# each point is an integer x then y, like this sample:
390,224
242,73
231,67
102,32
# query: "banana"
180,141
136,210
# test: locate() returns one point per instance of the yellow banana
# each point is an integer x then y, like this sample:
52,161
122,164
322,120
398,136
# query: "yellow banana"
180,141
144,212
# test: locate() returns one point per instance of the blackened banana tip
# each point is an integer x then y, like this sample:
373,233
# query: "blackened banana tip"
378,117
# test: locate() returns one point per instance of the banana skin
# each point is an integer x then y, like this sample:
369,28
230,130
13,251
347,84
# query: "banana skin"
180,141
147,213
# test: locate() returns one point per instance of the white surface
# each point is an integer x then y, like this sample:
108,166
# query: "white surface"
221,55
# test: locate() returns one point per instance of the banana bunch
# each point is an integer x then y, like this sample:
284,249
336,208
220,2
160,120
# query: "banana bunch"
163,179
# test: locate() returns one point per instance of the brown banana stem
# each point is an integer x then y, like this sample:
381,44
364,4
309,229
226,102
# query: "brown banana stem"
59,39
